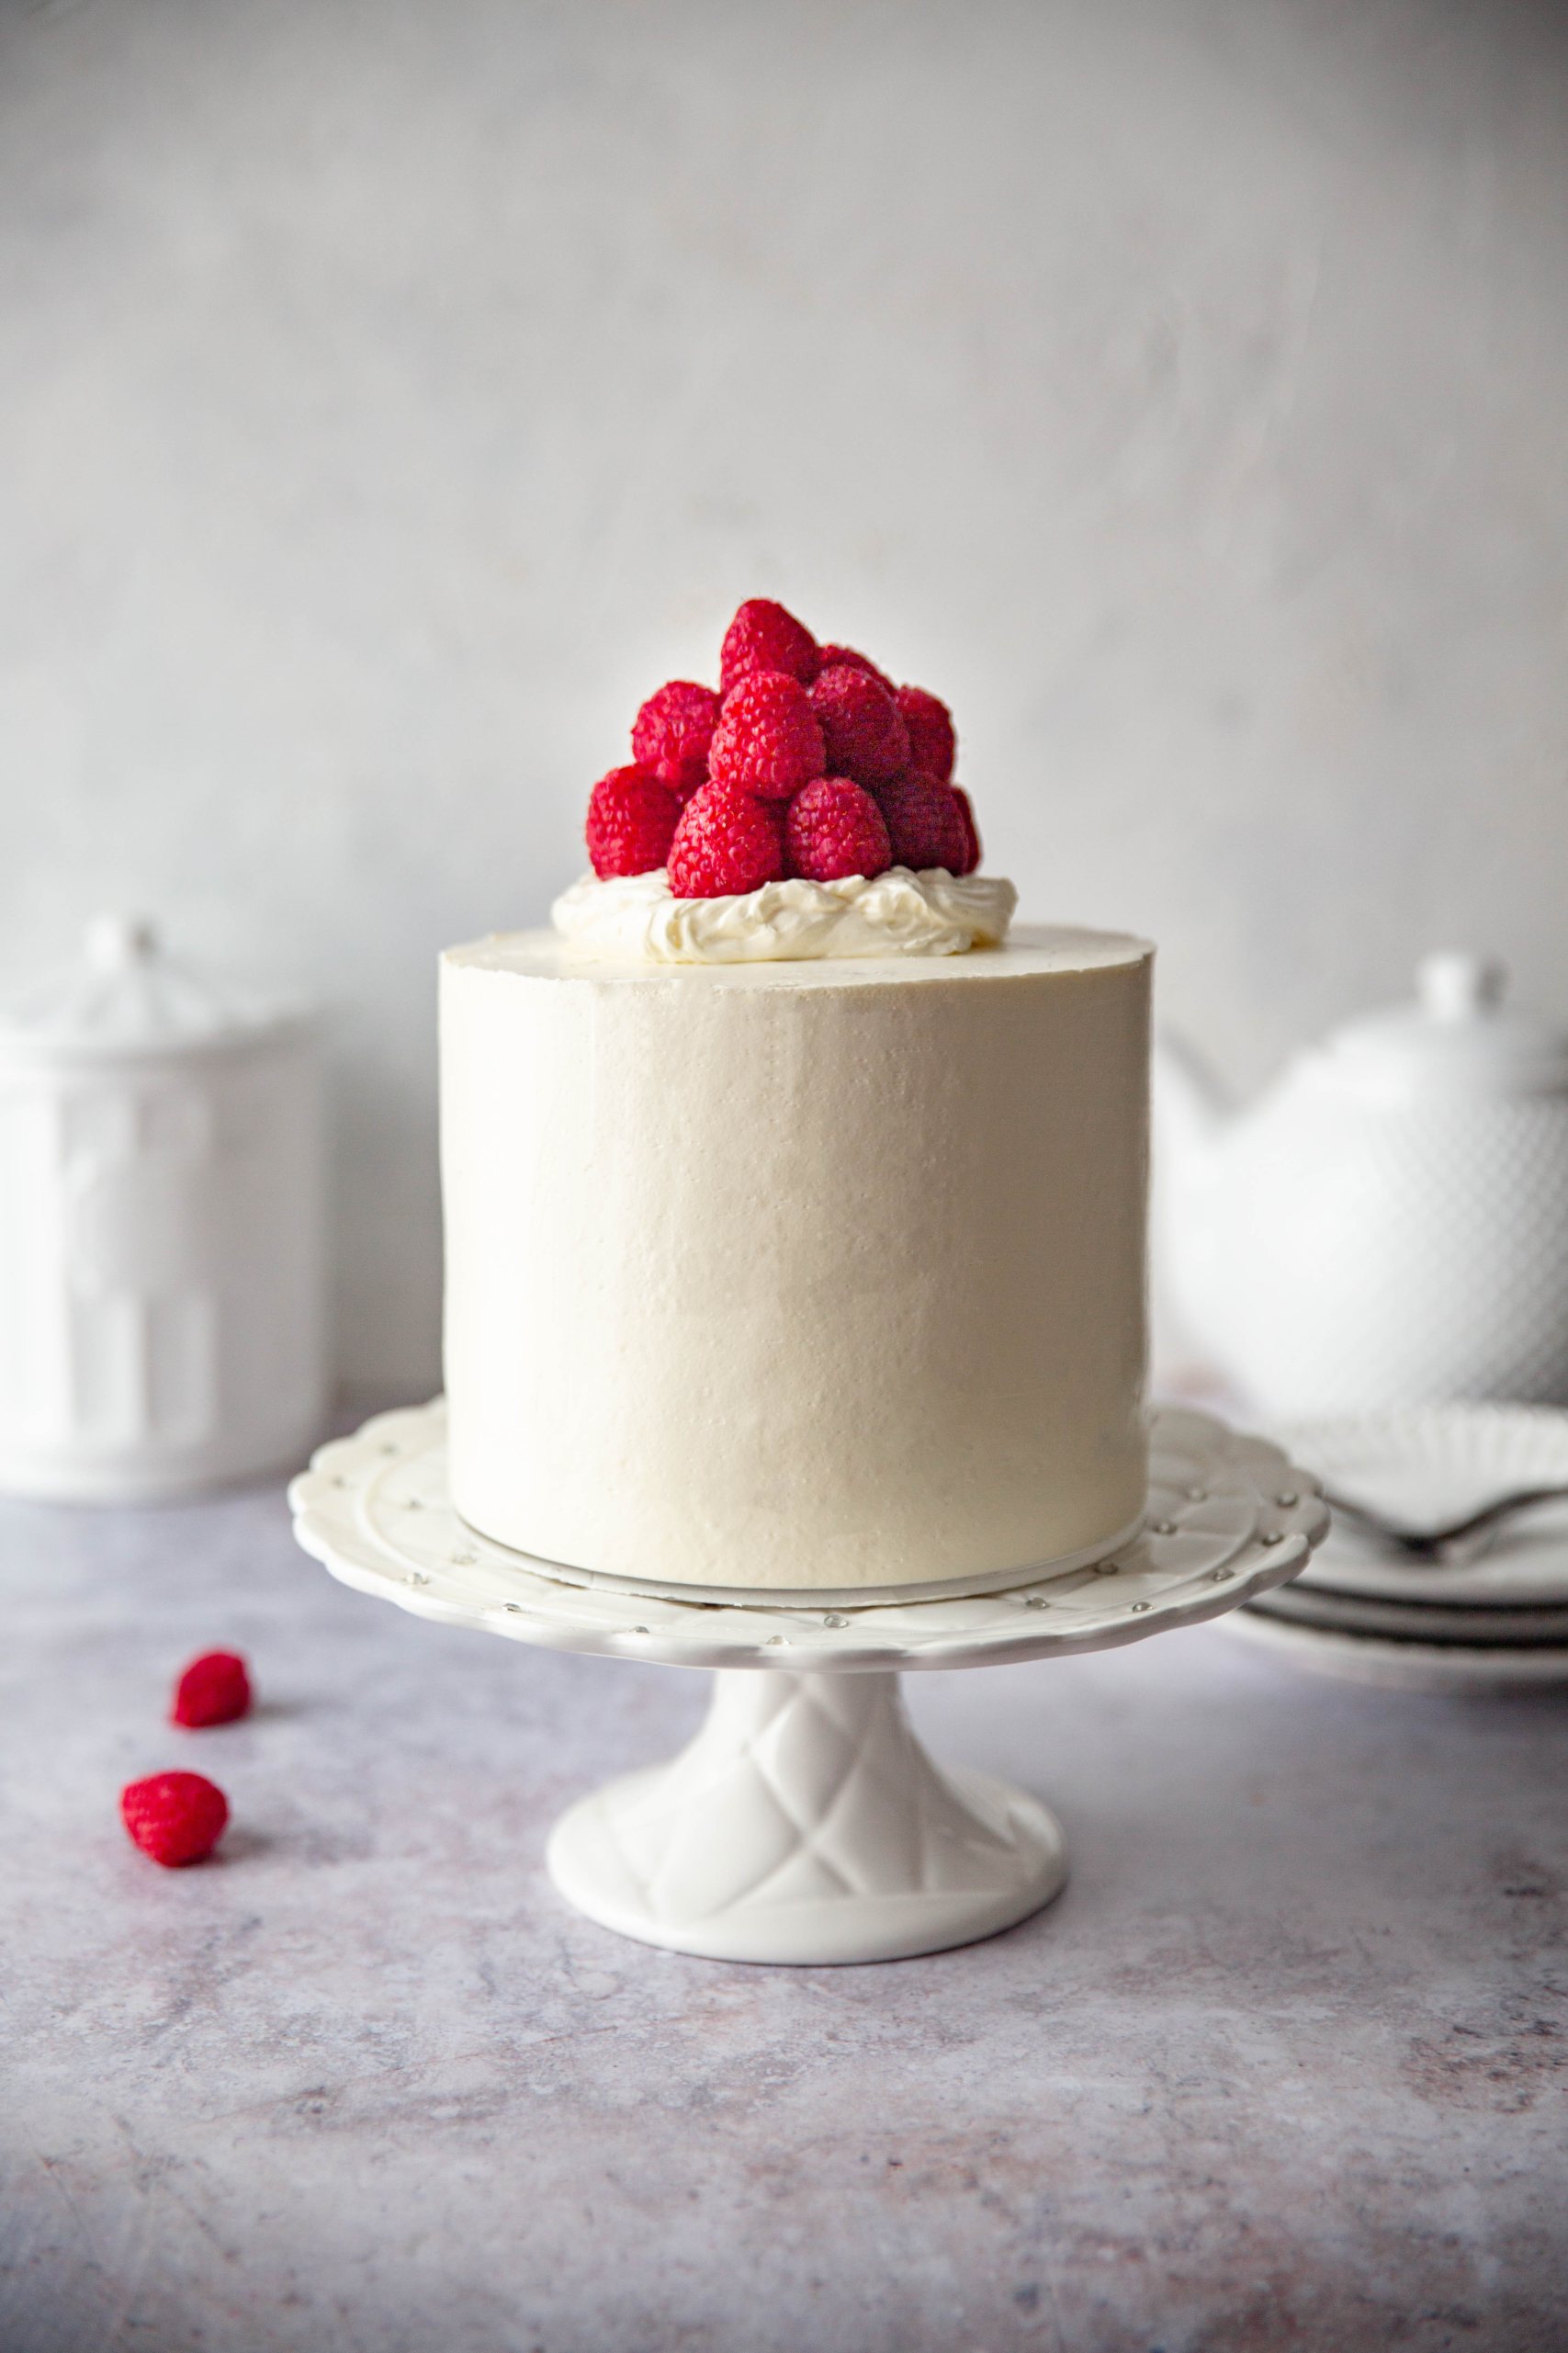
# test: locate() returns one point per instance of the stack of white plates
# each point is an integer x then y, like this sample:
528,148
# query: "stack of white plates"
1368,1613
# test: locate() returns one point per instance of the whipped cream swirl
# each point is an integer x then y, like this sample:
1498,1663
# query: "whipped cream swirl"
636,919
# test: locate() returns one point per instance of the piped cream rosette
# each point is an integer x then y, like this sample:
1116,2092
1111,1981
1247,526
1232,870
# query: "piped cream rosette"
636,918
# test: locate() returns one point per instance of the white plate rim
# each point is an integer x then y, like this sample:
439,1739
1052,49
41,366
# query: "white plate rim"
1438,1671
1504,1445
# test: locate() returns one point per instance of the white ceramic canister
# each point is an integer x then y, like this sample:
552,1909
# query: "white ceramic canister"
162,1218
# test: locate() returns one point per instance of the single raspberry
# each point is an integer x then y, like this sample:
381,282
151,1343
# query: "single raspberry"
631,820
925,824
864,734
833,829
971,830
727,842
931,740
671,734
763,636
214,1689
767,740
175,1817
844,657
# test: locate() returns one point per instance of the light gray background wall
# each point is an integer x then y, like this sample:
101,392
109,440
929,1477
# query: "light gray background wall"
391,394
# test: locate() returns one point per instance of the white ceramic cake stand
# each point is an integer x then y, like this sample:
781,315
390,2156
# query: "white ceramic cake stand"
806,1823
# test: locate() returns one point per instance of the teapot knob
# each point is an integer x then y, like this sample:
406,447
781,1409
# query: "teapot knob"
1455,986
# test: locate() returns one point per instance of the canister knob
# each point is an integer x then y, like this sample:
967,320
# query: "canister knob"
116,942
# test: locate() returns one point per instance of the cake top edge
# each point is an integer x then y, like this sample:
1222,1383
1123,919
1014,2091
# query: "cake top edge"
543,954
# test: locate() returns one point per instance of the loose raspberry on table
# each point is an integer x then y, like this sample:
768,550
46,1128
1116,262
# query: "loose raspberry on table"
925,824
727,842
971,830
932,743
861,730
631,822
763,636
767,740
214,1689
844,657
833,829
175,1817
671,734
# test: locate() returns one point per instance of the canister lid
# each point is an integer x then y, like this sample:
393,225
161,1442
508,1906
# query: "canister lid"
125,998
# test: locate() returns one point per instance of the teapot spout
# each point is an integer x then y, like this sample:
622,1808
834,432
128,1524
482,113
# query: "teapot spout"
1190,1112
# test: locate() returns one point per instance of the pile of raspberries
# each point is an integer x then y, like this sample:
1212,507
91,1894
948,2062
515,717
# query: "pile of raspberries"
808,762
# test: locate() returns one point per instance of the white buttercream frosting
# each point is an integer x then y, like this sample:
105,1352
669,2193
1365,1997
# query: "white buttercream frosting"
636,918
797,1277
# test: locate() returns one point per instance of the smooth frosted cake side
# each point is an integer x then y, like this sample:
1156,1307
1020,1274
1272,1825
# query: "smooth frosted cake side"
803,1277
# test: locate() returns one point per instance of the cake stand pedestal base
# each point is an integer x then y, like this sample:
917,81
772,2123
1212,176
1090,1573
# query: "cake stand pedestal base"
807,1824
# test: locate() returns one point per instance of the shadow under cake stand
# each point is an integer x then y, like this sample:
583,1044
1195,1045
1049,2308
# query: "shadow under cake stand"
806,1823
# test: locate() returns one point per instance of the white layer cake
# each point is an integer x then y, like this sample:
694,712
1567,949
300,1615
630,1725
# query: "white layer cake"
817,1278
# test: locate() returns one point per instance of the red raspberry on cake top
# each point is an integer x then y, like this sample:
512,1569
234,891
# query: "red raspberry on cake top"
932,744
631,822
767,740
864,734
925,824
971,830
844,657
727,843
832,828
671,734
763,636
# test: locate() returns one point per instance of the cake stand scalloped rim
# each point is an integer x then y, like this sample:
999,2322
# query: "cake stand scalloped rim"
805,1824
1229,1517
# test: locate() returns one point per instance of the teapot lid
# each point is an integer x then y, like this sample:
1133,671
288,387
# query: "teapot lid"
124,998
1457,1038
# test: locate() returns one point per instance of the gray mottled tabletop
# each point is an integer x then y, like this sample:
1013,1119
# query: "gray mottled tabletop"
1285,2065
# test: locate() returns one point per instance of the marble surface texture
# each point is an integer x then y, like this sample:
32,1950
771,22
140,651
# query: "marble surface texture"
1283,2067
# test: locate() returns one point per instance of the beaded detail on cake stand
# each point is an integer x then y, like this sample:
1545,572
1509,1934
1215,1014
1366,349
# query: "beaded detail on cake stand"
806,1823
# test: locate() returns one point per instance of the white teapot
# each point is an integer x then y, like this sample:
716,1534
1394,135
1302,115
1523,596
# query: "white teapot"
1388,1222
